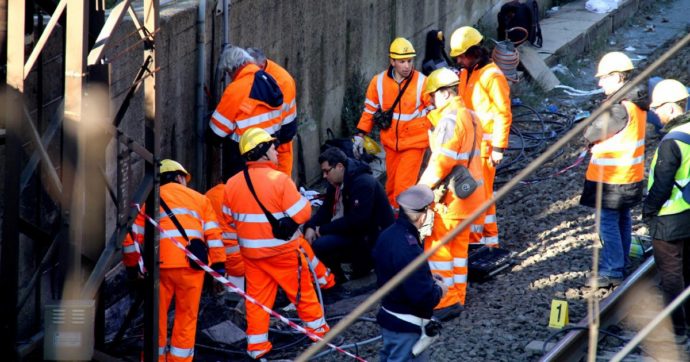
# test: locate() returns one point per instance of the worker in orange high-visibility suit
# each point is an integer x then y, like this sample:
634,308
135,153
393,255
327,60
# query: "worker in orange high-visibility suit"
616,140
252,99
405,138
455,142
177,279
270,261
485,90
288,126
234,265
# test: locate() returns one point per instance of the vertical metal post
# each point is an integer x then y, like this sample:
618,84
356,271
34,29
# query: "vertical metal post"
74,138
10,232
152,144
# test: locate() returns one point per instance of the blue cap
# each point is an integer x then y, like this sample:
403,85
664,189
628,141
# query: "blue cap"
416,198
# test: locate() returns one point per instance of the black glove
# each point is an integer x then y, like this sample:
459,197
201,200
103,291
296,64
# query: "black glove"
133,273
219,268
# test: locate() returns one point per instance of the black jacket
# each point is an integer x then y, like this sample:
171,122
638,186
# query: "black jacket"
666,227
613,196
366,208
395,248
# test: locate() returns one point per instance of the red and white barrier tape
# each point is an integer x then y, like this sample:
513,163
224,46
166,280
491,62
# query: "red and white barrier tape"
239,291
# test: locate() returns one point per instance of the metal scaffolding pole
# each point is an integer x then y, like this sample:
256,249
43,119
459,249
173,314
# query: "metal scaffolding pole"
152,143
10,232
74,140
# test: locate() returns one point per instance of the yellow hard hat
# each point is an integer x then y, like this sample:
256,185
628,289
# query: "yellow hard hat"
668,91
371,146
169,165
463,39
401,48
440,78
613,62
252,138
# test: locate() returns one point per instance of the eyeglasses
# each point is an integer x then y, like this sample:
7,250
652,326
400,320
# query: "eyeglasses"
325,172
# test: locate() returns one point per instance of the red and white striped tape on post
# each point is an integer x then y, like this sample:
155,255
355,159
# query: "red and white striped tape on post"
239,291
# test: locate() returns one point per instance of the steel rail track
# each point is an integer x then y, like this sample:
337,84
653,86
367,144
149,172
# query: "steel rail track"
613,309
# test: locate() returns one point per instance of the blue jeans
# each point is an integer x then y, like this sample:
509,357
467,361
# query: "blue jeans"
616,230
397,347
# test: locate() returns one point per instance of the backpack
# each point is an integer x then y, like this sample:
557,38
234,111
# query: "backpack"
515,14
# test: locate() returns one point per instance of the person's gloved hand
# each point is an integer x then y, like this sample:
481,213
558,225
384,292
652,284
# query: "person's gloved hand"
133,273
439,281
496,157
358,146
310,235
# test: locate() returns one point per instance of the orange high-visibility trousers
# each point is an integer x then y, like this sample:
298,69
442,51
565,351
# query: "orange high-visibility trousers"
263,278
450,261
402,171
324,277
490,232
285,158
184,284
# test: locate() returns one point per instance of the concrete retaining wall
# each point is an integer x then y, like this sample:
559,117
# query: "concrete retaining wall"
321,43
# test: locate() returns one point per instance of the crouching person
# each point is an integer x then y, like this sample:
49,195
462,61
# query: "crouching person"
407,310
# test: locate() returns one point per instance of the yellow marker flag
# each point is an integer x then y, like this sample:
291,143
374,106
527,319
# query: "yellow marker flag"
559,314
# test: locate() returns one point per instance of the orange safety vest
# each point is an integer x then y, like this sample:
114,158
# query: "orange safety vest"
195,214
278,194
620,159
409,127
237,111
487,93
233,263
288,87
451,145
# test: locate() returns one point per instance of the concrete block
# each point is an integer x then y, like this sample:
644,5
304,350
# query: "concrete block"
225,332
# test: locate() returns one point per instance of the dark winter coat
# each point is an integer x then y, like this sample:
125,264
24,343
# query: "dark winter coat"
395,248
613,121
666,227
367,211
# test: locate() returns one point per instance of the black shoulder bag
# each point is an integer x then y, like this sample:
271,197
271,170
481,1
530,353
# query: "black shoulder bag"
460,181
283,228
384,119
196,246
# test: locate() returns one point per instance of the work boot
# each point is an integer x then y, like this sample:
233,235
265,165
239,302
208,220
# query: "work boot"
335,294
448,313
604,281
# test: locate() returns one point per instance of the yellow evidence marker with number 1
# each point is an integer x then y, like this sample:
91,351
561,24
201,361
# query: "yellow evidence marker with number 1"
559,314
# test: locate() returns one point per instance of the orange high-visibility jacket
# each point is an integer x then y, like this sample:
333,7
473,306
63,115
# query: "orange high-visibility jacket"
243,106
278,194
451,144
194,212
486,92
620,159
233,264
410,126
289,89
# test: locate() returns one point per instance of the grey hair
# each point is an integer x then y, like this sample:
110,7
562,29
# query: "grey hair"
233,58
258,56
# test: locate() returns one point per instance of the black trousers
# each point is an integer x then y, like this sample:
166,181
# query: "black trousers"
333,250
672,259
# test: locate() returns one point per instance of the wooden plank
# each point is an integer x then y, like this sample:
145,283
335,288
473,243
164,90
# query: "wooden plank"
537,69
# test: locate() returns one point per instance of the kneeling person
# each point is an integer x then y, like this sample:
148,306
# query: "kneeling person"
353,214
